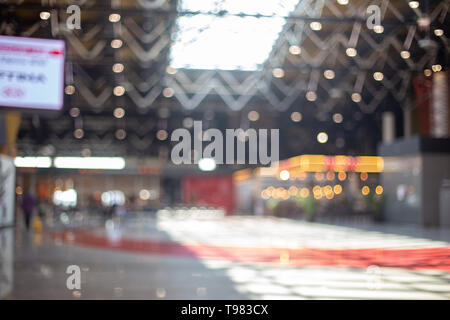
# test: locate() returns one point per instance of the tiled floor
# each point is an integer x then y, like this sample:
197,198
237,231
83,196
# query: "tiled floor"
227,258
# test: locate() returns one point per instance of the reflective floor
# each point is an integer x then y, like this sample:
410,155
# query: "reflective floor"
178,257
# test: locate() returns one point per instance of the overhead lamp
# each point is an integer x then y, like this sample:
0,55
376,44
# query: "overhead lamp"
116,43
315,25
329,74
296,116
253,115
436,67
168,92
162,135
278,73
117,68
74,112
439,32
351,52
120,134
114,17
405,54
413,4
322,137
32,162
378,29
295,50
378,76
78,133
356,97
119,113
311,96
99,163
44,15
119,91
207,164
338,118
69,90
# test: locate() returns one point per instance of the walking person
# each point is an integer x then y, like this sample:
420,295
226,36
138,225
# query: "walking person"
28,204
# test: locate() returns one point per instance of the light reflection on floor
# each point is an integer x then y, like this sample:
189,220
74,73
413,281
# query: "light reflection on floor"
167,259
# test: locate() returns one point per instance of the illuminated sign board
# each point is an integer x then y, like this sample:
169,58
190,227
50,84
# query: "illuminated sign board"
31,73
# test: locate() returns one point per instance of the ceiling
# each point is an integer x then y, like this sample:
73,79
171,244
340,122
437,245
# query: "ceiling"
318,83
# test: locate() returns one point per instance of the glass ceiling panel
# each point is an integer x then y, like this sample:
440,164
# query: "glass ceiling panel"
227,42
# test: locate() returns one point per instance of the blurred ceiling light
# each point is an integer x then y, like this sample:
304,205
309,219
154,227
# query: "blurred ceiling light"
114,17
338,118
342,2
363,176
228,41
116,43
119,113
427,72
356,97
365,190
164,113
322,137
436,67
67,198
329,74
311,96
162,135
405,54
117,68
337,189
106,163
296,116
44,15
423,22
284,175
351,52
70,89
207,164
378,29
379,190
253,115
168,92
278,73
144,194
378,76
413,4
439,32
315,25
119,91
171,70
121,134
188,122
74,112
304,192
86,152
78,133
32,162
295,50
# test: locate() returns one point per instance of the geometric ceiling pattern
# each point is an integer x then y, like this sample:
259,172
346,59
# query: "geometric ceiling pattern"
325,57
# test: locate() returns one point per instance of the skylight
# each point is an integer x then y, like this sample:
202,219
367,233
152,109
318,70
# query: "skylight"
227,42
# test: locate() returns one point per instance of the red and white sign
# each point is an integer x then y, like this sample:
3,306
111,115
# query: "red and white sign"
31,73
